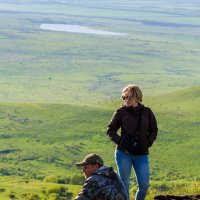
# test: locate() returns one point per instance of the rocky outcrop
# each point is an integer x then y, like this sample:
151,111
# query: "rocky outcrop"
172,197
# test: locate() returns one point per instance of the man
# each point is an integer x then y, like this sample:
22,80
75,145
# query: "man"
102,183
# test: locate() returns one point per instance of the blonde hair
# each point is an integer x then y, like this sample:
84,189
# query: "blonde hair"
136,91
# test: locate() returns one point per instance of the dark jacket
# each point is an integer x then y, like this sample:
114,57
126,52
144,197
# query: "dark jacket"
104,184
126,118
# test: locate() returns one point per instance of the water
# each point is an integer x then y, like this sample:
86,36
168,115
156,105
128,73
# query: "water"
77,29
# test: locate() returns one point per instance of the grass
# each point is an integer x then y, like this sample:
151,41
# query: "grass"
38,140
40,66
58,90
22,188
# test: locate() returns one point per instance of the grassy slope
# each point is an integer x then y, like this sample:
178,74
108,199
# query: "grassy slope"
39,140
21,186
49,135
177,145
40,66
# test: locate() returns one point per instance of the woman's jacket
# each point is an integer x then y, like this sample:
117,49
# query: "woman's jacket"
126,119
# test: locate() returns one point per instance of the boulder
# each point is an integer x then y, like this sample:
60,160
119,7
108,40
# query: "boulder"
172,197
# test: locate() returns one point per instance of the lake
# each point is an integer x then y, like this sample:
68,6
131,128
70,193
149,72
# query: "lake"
77,29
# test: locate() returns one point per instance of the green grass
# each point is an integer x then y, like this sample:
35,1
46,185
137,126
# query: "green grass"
38,140
40,66
23,188
42,128
58,90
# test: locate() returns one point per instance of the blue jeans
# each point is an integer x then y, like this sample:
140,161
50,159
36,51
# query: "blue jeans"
140,165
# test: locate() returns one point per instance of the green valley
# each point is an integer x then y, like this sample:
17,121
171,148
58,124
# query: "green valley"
59,89
160,50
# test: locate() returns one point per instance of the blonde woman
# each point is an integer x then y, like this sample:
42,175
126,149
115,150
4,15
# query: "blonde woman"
138,132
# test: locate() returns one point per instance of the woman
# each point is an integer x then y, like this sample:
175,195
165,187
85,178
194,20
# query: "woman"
138,132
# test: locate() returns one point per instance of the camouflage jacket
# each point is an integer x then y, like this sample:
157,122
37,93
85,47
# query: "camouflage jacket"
104,184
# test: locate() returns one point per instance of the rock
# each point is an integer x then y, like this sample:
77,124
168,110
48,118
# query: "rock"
172,197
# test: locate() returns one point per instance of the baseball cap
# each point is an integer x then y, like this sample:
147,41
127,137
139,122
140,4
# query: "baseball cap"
90,159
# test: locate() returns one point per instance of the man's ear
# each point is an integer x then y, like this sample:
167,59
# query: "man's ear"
97,166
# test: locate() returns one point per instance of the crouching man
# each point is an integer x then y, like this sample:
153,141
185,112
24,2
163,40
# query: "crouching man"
102,183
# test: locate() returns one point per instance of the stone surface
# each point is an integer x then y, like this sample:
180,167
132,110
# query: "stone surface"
172,197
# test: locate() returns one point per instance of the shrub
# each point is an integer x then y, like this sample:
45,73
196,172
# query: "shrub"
58,192
2,190
34,197
12,196
53,196
58,189
77,180
64,180
51,179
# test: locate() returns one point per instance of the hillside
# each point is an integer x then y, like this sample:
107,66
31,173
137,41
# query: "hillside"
176,153
38,140
58,90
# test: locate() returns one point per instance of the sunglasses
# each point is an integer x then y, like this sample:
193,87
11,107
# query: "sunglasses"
128,97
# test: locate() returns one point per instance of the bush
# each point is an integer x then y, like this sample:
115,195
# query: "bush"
2,190
33,197
64,180
162,186
51,179
53,196
60,190
12,196
77,180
